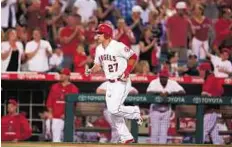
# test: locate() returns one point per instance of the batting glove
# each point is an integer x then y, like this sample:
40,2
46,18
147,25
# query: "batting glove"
87,72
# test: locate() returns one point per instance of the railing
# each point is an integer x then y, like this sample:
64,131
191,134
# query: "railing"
141,99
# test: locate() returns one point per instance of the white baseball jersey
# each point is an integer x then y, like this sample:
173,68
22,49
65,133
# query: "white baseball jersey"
172,86
155,86
104,86
219,64
113,58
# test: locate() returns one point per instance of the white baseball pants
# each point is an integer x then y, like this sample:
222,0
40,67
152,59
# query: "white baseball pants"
211,128
114,133
159,126
197,47
54,129
116,94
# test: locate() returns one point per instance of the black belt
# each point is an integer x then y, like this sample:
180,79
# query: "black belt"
115,80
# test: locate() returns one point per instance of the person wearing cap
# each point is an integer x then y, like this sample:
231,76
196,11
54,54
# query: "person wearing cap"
178,28
14,126
135,22
160,113
213,85
56,103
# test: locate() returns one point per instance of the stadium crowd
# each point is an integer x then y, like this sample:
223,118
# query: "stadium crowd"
170,37
47,35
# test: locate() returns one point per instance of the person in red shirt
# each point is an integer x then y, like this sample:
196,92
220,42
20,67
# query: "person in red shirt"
200,26
178,28
80,60
223,28
14,126
56,103
70,36
124,34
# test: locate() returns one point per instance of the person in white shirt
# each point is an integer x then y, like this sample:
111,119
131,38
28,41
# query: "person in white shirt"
56,60
160,113
85,8
102,90
213,85
11,52
38,52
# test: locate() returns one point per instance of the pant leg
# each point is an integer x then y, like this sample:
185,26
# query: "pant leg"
114,133
57,129
205,45
115,96
164,125
196,46
155,126
216,138
210,120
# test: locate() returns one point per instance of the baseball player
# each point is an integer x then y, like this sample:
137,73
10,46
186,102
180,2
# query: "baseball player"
160,113
56,104
117,61
14,126
102,90
213,86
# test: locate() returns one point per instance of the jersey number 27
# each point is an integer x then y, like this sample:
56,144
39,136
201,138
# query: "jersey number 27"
113,67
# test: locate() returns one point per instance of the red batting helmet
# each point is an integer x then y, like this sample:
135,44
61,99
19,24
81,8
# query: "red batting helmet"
105,29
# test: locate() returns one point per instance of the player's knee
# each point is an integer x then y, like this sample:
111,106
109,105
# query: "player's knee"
114,111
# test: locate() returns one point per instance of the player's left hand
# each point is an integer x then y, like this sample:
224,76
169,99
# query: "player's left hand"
124,76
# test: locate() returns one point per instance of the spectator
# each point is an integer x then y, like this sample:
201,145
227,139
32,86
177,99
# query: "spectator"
178,28
80,60
102,90
12,52
174,63
124,7
37,53
14,126
213,85
86,9
160,113
36,17
147,45
23,34
191,67
8,14
54,21
201,26
56,103
143,68
106,12
56,60
90,31
146,10
222,28
211,10
135,22
124,34
70,36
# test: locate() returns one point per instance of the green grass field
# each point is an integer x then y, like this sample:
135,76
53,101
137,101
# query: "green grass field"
99,145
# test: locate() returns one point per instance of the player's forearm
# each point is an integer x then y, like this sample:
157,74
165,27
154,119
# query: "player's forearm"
131,63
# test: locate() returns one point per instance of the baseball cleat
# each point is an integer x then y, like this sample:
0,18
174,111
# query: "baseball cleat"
128,141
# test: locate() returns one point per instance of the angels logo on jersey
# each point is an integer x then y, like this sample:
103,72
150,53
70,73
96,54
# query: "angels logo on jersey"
107,57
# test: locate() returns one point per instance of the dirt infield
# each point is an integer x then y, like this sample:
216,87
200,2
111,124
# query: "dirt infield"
99,145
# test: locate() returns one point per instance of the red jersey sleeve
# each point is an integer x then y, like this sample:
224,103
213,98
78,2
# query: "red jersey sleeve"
25,129
75,89
50,97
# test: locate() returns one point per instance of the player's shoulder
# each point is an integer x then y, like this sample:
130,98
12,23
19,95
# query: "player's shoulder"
55,85
155,81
